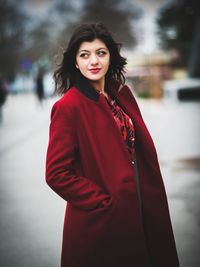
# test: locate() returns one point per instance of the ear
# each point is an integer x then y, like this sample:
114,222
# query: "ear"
76,66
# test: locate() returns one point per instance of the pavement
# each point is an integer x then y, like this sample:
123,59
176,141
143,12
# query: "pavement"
31,214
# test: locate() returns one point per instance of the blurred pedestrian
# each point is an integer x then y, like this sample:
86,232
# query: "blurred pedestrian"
101,159
40,86
3,96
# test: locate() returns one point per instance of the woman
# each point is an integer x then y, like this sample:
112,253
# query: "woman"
117,213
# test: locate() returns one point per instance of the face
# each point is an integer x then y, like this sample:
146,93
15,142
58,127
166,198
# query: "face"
92,59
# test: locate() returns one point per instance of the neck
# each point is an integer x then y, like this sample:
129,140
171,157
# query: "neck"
98,85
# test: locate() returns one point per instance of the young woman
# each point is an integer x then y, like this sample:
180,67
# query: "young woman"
102,161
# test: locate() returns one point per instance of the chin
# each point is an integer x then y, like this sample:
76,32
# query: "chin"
95,79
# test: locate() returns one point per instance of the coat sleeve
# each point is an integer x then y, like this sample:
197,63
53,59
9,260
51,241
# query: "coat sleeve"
61,175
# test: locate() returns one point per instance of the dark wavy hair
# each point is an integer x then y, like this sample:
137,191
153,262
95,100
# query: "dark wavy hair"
66,72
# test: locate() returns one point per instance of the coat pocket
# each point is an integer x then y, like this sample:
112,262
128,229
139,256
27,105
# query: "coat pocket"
107,205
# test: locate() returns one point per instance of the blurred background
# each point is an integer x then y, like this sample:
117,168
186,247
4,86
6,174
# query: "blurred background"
161,40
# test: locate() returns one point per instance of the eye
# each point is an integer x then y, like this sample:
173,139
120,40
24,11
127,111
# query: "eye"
84,55
101,53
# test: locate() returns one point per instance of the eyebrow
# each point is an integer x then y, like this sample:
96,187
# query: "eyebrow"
84,50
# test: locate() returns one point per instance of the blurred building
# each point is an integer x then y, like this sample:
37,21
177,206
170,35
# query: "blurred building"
146,72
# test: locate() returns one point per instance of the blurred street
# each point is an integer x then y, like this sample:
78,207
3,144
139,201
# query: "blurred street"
31,214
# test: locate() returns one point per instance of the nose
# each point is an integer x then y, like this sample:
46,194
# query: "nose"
94,59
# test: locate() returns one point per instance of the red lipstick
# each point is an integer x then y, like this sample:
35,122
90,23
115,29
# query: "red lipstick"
95,70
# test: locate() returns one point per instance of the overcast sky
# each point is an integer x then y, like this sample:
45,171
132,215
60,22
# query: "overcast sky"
146,25
147,42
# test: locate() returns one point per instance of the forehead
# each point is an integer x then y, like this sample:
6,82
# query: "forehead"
93,45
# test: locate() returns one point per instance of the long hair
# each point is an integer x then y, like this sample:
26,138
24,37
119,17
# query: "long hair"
66,72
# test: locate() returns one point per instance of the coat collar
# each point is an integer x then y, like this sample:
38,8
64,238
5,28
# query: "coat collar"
86,88
82,84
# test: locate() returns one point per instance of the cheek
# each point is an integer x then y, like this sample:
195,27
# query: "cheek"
107,63
80,62
81,65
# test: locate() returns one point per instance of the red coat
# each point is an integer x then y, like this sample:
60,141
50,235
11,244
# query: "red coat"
89,166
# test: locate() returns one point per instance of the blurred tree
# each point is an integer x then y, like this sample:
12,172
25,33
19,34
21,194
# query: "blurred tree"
12,32
117,15
63,14
178,28
45,33
38,40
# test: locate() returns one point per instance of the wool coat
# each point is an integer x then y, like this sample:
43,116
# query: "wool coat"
117,214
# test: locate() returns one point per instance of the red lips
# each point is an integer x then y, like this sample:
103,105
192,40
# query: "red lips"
95,70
